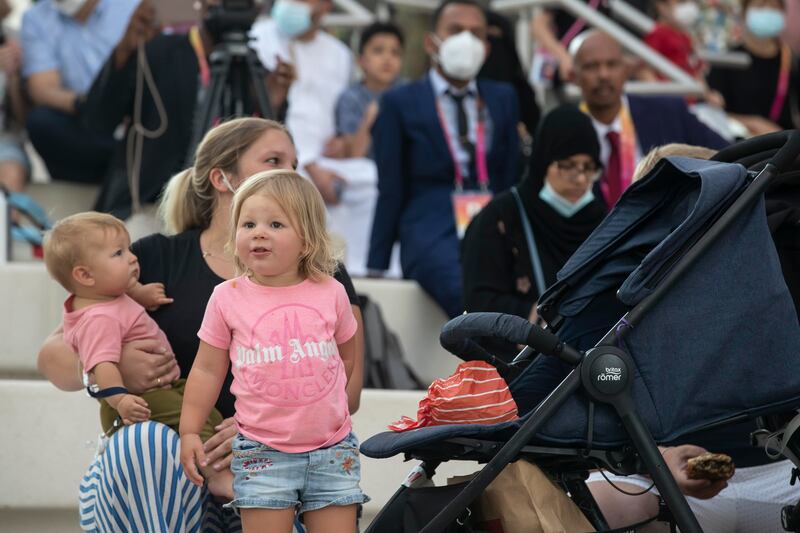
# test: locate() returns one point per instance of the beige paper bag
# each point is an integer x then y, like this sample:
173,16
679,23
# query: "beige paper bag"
523,500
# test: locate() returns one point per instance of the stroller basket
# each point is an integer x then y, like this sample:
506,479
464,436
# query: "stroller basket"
654,296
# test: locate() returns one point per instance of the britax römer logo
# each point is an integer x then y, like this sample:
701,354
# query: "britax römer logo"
611,374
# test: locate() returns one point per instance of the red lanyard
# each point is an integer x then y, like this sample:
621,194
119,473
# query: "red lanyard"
202,62
480,151
783,84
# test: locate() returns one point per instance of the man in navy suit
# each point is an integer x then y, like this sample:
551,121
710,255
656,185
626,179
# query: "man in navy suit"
628,126
433,138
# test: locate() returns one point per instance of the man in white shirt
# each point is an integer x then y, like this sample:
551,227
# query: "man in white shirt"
323,67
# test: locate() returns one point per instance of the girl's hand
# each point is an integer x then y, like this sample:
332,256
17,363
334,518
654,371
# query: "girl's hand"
218,447
132,409
192,455
146,365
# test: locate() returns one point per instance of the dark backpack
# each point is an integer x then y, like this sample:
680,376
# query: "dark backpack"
384,364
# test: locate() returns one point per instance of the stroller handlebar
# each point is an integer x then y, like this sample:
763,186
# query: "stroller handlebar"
458,336
787,143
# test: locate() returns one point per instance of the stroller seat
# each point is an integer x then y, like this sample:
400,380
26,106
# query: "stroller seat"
705,346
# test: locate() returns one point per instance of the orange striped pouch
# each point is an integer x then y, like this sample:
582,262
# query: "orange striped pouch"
474,394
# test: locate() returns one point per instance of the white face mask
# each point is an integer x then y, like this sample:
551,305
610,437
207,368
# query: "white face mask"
461,56
561,205
69,7
227,182
686,14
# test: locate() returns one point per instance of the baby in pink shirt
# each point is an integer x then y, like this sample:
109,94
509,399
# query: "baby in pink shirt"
287,328
89,255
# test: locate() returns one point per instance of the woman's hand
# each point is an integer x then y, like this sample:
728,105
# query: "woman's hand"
676,459
218,447
192,455
146,365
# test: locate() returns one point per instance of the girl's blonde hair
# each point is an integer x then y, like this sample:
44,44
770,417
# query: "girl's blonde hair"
303,204
658,153
189,199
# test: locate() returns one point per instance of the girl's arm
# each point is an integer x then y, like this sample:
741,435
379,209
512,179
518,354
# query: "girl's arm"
347,351
202,387
355,381
202,390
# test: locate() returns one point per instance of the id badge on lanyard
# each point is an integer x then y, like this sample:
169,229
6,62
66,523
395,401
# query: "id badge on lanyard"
467,204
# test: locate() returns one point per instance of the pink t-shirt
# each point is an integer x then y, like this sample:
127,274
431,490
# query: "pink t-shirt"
288,378
97,332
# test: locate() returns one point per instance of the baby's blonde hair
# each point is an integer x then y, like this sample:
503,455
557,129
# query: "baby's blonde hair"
301,201
658,153
70,240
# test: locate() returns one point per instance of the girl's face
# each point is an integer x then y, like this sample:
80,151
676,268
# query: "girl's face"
273,150
268,243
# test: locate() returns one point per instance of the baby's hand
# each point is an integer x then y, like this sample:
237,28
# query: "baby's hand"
132,409
151,296
192,454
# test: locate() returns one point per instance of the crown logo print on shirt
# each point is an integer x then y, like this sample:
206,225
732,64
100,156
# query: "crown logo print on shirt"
284,365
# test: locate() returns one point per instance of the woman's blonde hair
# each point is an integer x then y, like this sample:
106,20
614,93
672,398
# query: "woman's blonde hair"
189,197
303,204
658,153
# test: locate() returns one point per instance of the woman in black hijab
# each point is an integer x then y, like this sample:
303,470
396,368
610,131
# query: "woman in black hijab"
500,273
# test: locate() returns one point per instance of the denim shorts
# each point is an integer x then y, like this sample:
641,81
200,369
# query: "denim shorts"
266,478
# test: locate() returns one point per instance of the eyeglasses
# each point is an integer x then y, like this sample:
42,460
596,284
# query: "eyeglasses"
570,171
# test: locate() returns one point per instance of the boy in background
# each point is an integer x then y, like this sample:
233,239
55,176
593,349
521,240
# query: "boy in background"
380,56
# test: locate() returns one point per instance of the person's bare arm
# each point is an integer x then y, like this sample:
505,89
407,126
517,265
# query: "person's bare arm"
359,142
45,89
202,390
10,62
542,33
131,408
59,363
356,381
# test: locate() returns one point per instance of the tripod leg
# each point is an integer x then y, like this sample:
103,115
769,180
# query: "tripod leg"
212,104
258,78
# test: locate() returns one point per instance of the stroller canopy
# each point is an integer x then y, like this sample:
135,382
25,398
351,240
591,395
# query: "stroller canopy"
722,343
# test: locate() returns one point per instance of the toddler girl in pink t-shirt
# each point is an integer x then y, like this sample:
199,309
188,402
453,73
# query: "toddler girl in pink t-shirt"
287,328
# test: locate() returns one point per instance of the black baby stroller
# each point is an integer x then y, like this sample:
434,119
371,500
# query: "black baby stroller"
688,353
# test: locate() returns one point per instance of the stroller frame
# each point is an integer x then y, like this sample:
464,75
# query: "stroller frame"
605,372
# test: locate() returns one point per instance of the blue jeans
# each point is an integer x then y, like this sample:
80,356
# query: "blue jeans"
270,479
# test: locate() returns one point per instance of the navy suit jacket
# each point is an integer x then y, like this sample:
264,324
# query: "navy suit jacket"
663,119
416,171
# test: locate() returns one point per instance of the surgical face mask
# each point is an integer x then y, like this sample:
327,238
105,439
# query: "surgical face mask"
561,205
461,56
227,182
291,17
764,22
69,7
686,14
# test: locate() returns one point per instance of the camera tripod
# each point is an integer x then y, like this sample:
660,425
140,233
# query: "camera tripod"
235,68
